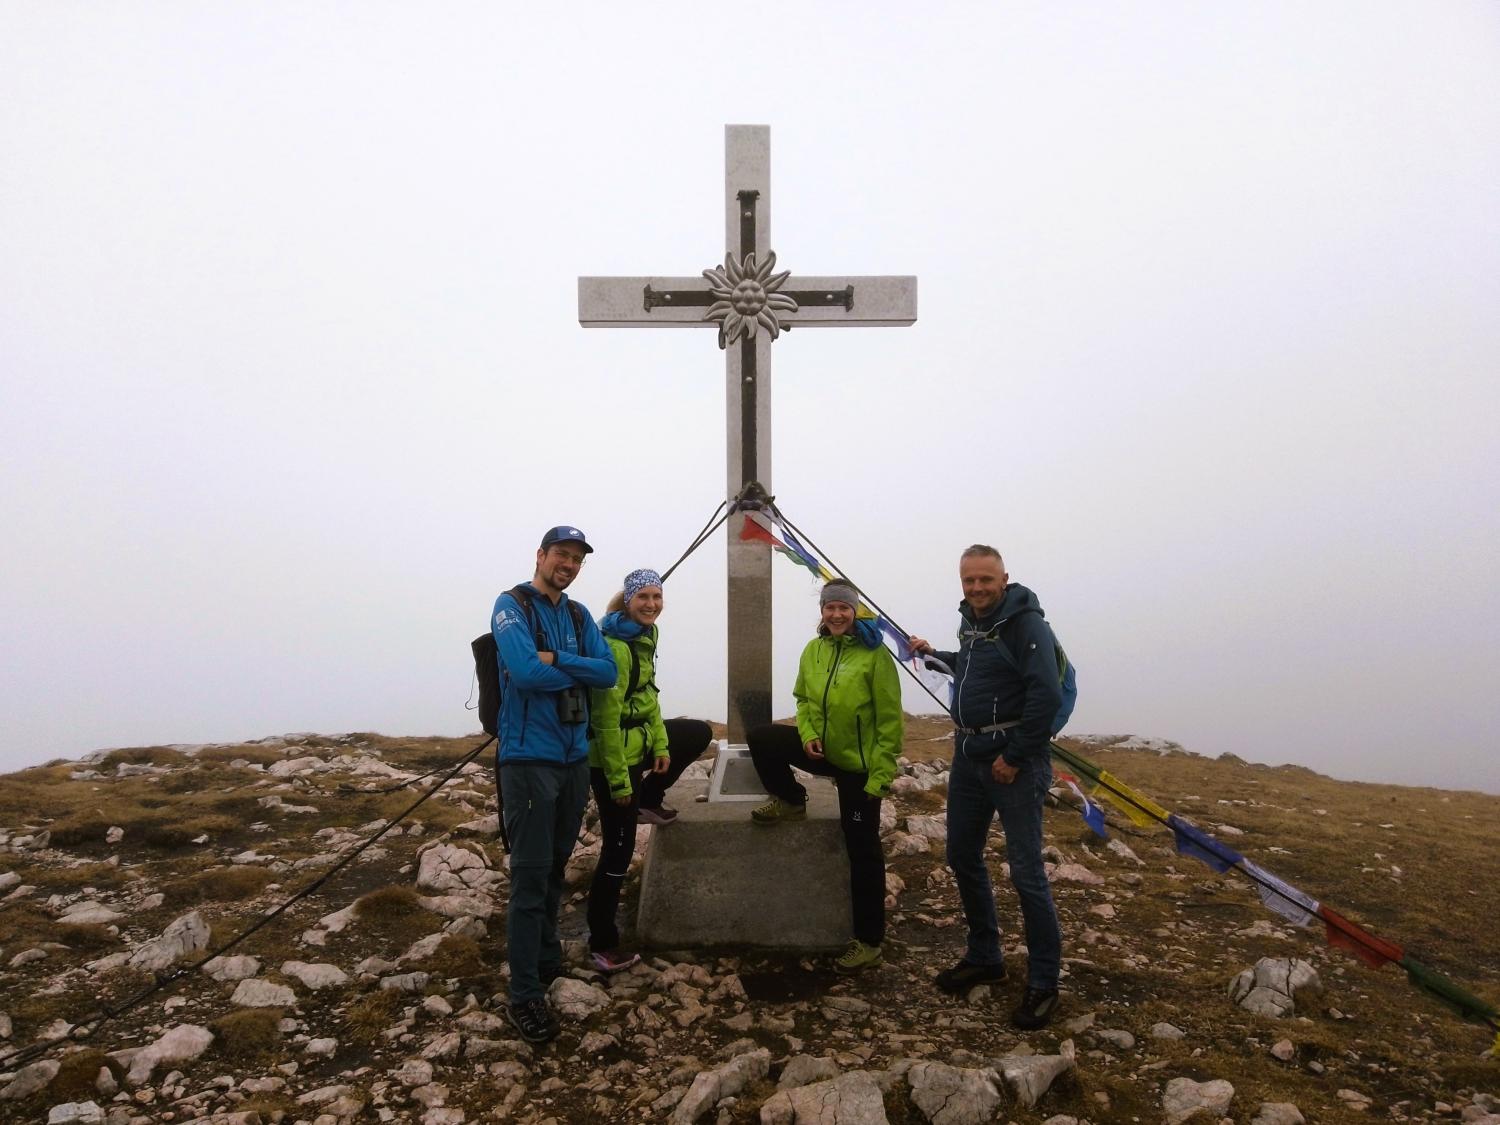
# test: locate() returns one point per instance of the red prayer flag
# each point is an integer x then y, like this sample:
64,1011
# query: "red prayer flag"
1344,934
753,530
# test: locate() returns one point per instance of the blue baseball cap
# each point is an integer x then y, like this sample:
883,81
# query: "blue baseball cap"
564,533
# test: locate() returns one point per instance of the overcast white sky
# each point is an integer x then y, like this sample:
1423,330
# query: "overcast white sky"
293,379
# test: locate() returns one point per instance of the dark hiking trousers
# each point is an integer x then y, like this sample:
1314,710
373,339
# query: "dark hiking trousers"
686,741
543,812
775,749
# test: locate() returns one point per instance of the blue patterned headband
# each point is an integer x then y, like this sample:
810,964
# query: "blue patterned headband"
638,580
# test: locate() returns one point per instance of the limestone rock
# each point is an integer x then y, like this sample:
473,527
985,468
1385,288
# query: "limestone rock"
486,827
1031,1076
458,905
1076,873
447,868
31,1079
845,1008
315,976
405,982
75,1113
1185,1098
238,967
849,1099
90,914
1278,1113
288,767
186,936
1166,1031
256,993
952,1095
726,1081
804,1070
1273,986
185,1041
576,999
928,827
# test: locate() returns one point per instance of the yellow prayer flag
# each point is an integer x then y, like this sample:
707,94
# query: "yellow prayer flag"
1139,808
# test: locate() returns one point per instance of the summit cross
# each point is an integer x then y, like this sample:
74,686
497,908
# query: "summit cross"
751,305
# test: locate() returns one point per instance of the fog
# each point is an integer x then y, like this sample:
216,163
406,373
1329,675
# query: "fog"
293,380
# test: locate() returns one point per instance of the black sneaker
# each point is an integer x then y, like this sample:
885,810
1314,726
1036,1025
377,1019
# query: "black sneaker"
965,975
534,1020
1035,1009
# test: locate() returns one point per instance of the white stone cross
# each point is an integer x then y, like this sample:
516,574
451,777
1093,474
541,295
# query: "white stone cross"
750,305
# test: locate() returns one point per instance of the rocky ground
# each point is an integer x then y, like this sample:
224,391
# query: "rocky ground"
377,997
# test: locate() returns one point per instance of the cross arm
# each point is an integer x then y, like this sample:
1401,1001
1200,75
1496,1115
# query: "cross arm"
859,302
620,302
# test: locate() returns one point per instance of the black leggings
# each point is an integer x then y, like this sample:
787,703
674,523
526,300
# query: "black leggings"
686,741
775,749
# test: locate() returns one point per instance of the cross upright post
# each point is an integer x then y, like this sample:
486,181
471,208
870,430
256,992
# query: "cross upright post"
750,305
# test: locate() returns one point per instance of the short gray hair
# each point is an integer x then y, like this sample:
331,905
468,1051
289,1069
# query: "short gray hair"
981,550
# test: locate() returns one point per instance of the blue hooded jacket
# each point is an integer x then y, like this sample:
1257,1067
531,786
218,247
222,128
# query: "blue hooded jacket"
531,729
994,684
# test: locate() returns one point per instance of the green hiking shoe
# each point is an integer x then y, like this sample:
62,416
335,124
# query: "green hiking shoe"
776,810
857,957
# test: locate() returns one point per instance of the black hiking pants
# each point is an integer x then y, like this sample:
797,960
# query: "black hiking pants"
686,741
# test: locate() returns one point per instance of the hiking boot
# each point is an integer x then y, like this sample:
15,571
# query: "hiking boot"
963,976
658,816
776,810
1035,1009
534,1020
613,961
857,957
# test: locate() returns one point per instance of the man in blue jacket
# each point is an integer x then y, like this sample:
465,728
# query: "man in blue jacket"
549,658
1005,696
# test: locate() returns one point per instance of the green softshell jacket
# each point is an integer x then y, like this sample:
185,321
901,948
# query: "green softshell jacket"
627,727
850,697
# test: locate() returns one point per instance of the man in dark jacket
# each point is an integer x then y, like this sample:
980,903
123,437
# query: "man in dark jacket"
548,661
1005,696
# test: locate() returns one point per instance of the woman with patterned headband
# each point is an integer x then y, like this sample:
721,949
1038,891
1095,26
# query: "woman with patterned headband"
634,756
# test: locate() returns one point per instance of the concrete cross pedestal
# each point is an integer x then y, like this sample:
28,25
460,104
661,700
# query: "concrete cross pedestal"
713,877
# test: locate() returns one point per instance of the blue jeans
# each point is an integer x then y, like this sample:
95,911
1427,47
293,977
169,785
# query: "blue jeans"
543,812
974,798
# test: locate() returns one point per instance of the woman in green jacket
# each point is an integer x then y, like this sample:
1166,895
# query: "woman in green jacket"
634,756
849,728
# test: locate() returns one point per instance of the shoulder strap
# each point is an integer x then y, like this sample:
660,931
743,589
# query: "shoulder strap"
523,599
577,615
635,664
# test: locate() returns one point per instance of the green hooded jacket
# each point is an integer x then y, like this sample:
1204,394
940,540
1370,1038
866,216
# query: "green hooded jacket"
850,696
627,725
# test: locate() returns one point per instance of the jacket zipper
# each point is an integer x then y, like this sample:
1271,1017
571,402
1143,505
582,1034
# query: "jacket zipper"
838,653
859,741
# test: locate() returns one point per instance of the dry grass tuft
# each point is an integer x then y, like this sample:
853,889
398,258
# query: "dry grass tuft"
371,1014
77,1075
249,1034
84,937
142,756
218,884
456,956
388,903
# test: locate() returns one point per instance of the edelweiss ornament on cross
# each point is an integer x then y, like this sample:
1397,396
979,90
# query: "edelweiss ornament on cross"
751,306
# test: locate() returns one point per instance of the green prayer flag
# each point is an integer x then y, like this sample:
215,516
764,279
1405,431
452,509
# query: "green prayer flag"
1436,985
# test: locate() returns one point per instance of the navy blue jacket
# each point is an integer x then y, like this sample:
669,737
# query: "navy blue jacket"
531,729
1005,669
